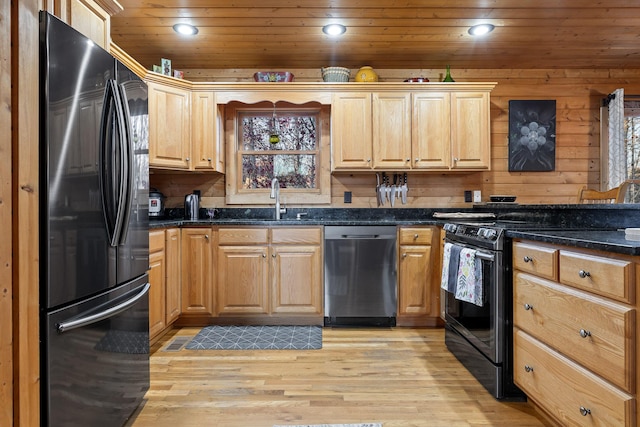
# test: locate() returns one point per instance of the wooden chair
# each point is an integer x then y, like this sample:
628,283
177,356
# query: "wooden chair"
614,195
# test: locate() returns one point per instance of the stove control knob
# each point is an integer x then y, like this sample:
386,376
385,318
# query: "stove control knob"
450,227
490,233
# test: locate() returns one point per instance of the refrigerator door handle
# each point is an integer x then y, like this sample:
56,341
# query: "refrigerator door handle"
106,162
81,320
126,144
122,212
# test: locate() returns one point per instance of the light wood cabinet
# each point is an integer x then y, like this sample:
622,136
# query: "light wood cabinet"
418,295
157,279
197,271
173,270
401,130
451,130
169,126
575,334
164,276
206,152
92,18
266,272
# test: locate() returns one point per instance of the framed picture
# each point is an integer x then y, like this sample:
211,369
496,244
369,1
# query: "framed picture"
532,135
178,74
166,66
157,69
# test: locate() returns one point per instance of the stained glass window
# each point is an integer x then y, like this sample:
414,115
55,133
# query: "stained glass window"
279,144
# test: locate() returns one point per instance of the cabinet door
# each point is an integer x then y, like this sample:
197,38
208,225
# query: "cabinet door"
157,281
88,17
204,134
470,134
431,131
197,284
297,279
391,130
172,263
243,286
351,137
169,127
414,287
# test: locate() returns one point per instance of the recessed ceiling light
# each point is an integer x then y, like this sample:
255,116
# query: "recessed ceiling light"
481,29
334,29
186,29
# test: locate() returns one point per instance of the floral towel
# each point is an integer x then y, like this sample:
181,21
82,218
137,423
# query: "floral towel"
450,261
469,283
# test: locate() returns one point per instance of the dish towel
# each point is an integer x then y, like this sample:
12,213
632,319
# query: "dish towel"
450,262
469,283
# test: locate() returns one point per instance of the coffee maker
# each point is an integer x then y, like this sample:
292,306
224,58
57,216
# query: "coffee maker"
192,205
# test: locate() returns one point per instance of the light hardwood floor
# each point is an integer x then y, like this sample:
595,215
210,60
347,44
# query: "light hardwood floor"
401,377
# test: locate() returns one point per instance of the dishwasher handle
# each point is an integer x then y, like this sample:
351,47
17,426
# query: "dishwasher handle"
364,236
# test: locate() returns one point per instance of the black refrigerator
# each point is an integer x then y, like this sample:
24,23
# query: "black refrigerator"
94,239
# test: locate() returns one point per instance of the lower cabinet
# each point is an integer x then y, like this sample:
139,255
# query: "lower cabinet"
164,276
269,271
418,291
197,271
575,332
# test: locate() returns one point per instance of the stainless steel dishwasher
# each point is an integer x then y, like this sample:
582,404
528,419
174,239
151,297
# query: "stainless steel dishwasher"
360,276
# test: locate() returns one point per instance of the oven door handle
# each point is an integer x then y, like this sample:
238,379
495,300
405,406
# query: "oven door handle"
485,257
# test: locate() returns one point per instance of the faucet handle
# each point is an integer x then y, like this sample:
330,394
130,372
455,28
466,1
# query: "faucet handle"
299,215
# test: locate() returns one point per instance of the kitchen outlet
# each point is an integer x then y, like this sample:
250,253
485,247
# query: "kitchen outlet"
477,196
347,196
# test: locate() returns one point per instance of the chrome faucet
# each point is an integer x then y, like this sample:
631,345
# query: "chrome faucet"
275,194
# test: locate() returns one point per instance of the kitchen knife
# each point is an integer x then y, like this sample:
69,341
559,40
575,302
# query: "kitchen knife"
404,190
378,198
393,189
387,187
382,191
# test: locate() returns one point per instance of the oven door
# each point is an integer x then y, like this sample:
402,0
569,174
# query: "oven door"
483,326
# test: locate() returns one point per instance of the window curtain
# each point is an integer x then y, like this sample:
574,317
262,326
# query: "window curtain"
617,150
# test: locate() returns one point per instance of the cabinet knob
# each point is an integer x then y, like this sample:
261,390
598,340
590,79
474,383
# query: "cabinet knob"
417,160
273,255
585,411
188,159
206,236
408,159
404,255
528,307
455,159
527,259
583,274
415,237
264,255
368,160
584,333
528,368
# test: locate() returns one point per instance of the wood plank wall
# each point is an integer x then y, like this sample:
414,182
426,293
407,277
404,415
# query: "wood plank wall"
578,94
6,292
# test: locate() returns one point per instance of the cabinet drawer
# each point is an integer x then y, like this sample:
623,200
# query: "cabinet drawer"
603,276
156,240
311,235
539,260
242,236
593,331
565,389
416,236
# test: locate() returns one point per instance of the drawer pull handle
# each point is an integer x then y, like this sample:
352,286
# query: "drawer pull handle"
585,333
528,307
528,368
527,259
584,274
585,411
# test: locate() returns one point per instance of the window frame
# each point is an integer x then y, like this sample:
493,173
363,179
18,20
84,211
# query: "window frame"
235,194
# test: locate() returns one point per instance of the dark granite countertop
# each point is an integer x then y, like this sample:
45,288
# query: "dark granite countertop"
604,240
586,226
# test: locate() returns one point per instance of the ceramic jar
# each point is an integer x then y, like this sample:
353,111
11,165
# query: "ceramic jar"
366,74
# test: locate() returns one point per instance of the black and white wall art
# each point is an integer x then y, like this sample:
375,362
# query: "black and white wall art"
532,135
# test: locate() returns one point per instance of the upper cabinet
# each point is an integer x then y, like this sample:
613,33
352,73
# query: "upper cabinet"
430,129
90,17
183,127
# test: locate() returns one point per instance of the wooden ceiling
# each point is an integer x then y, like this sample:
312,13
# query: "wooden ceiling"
393,34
